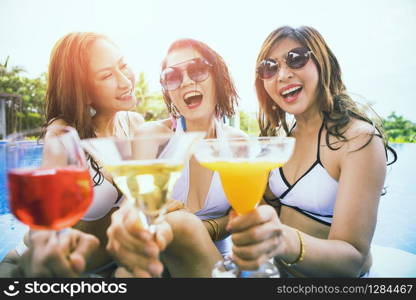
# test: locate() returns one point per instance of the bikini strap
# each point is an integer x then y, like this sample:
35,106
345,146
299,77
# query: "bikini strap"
318,158
123,123
183,122
293,127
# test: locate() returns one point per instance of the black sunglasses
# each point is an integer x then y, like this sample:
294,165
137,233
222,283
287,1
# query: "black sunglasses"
197,69
295,59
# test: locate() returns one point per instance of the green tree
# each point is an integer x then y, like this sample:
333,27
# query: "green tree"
249,124
25,111
399,130
151,105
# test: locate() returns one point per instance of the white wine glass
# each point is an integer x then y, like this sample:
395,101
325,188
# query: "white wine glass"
144,168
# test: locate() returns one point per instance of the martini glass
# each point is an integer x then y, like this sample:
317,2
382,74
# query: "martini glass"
144,168
49,183
244,165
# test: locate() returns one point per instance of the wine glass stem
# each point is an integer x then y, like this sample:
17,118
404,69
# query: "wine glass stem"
146,221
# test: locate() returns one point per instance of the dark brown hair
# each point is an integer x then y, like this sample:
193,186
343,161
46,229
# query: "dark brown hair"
335,104
226,94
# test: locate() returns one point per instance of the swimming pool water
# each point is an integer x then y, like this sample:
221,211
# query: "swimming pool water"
396,221
396,226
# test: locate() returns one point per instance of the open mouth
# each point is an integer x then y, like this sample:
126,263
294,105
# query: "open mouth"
192,99
292,92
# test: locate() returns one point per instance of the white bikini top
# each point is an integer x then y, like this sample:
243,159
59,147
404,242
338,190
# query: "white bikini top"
216,204
313,194
106,195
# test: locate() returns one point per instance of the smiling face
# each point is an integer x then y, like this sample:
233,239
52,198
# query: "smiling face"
112,81
194,100
293,90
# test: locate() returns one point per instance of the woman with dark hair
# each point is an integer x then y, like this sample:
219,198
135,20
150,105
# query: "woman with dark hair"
91,88
326,196
199,93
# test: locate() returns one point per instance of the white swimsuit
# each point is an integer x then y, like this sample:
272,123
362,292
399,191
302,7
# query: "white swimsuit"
216,203
105,194
313,194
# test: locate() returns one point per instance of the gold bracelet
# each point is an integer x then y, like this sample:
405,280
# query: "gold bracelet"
301,254
217,230
213,228
211,232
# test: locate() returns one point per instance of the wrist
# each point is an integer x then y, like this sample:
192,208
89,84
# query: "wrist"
213,228
295,251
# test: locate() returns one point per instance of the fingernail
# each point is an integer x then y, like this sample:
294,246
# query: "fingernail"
154,268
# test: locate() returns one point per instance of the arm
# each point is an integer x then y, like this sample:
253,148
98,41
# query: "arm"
270,199
134,247
136,119
260,235
50,255
98,229
217,228
9,267
153,127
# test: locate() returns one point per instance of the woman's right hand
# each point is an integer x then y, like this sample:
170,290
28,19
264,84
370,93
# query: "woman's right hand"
53,255
134,247
258,236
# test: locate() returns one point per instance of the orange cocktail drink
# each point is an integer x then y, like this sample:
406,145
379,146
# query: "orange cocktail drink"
244,181
244,165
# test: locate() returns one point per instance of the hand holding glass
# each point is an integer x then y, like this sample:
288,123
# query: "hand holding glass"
53,191
244,165
144,168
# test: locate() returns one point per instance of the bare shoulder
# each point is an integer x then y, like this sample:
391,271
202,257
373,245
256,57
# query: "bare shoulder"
361,147
358,128
232,132
154,127
136,118
52,129
360,133
57,122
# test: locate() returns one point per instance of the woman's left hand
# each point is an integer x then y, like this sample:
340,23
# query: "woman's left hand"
134,247
172,205
257,236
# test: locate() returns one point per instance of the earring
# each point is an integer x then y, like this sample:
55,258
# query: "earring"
93,112
274,107
174,111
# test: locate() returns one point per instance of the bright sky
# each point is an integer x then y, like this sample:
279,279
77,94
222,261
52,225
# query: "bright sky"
374,41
